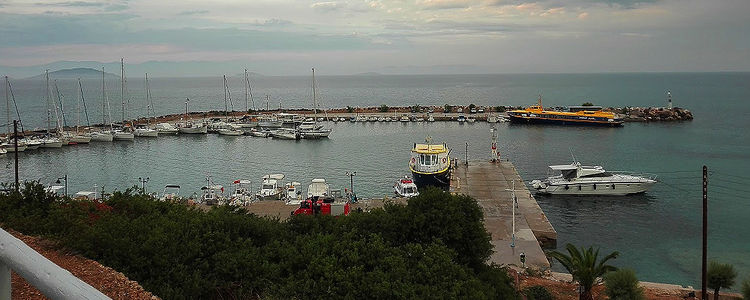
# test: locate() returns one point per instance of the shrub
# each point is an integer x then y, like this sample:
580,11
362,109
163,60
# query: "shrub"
622,285
537,292
746,288
500,108
587,104
349,109
720,276
383,108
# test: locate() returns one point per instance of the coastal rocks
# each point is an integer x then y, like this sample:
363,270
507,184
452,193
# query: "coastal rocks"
652,114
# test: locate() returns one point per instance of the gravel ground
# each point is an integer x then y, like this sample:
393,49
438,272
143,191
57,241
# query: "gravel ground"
110,282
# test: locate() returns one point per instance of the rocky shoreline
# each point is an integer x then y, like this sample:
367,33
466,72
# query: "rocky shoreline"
652,114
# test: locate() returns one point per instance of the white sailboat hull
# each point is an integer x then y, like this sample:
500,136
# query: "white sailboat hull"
194,130
123,136
146,133
230,132
315,134
52,144
11,148
80,139
101,137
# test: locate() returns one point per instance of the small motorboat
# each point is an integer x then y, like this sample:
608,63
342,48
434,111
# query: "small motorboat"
142,130
269,189
213,195
471,119
171,192
318,188
461,119
166,128
405,187
230,131
242,195
293,193
404,118
575,179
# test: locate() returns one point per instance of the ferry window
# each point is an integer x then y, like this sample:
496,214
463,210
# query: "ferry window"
421,159
434,159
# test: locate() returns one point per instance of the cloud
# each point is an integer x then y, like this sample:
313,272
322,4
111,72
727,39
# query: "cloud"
444,4
328,6
276,22
193,12
583,16
72,4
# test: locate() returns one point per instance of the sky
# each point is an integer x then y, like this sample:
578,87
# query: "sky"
287,37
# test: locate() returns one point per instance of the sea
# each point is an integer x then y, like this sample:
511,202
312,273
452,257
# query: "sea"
658,234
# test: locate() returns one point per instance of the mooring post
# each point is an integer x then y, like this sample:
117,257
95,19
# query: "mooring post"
4,281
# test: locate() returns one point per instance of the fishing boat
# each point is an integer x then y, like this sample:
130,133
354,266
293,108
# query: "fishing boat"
318,188
166,128
361,118
430,119
293,193
430,165
242,195
537,115
471,119
388,119
352,119
269,188
171,192
575,179
405,187
405,118
142,130
212,195
491,118
461,119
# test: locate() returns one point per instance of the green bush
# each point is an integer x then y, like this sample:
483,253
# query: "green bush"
421,250
746,288
537,292
384,108
587,104
622,285
349,109
448,108
500,108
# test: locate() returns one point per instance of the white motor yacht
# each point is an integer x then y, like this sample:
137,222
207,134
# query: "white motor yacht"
269,188
361,118
317,188
405,187
166,128
192,128
309,124
293,193
260,132
286,134
576,179
122,135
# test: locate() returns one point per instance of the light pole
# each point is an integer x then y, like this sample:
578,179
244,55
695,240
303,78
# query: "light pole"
351,183
514,202
143,183
66,183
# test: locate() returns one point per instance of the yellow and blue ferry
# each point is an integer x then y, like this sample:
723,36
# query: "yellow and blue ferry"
430,165
536,115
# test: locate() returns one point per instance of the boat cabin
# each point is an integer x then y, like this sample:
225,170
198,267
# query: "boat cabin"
317,188
575,170
427,158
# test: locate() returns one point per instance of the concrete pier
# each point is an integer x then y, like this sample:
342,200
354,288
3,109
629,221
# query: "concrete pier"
490,184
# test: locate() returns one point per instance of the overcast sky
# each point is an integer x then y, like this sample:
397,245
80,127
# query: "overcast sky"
279,37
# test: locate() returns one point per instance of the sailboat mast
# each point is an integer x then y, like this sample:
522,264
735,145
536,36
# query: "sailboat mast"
246,88
60,121
83,100
315,99
104,116
226,108
49,124
122,88
78,107
7,105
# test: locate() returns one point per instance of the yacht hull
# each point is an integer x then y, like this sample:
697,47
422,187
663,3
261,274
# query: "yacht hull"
194,130
123,136
101,137
439,180
80,139
602,189
146,133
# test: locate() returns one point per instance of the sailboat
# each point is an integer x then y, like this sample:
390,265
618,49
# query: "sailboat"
310,128
104,135
188,127
124,133
49,141
9,145
228,128
78,137
144,130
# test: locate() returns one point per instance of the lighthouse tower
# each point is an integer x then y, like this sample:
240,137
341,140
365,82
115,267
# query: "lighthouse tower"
669,100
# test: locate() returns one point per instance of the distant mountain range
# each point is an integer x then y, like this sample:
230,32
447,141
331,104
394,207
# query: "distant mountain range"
87,73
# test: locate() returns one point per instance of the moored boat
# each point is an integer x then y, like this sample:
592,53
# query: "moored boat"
430,165
269,188
405,187
575,179
537,115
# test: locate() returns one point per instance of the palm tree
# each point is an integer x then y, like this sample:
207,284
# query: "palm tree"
585,267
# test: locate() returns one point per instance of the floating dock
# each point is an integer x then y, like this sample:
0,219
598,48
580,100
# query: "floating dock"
491,185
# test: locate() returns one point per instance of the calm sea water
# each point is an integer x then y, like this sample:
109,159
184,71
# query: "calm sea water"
658,234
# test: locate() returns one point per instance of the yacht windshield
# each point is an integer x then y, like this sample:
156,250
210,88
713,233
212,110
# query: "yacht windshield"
267,186
409,190
605,174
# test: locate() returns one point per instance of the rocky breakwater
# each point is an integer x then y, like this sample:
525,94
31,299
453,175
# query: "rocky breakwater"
652,114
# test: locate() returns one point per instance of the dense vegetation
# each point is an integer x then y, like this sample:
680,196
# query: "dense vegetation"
434,247
622,284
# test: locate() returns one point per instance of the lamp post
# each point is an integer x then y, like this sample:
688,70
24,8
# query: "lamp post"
514,203
143,183
351,183
66,183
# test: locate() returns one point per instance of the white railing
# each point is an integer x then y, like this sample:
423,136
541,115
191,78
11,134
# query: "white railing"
49,278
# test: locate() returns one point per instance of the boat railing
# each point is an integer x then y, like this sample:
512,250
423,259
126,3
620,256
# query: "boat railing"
49,278
650,176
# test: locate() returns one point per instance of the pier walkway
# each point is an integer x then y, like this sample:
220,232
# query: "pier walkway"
490,184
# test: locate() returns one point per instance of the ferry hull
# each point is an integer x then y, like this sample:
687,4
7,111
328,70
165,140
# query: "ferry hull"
532,120
439,180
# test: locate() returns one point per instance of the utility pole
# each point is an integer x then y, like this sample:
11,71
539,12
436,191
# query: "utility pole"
15,149
514,203
704,296
351,184
143,183
466,154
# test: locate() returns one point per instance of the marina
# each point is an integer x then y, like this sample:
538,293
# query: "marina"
379,152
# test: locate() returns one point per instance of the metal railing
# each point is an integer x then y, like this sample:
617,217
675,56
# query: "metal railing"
49,278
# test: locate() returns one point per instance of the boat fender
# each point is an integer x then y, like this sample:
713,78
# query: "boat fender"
413,160
444,160
566,187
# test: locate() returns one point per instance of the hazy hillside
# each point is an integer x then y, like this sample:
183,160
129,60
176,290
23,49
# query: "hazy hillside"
74,73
